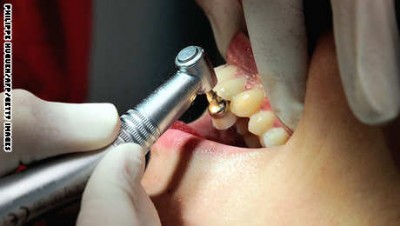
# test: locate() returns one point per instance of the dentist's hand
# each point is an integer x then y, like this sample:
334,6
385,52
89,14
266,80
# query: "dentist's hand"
368,52
114,195
42,129
368,48
367,43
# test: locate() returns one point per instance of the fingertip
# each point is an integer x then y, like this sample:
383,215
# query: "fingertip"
132,158
281,57
114,189
102,124
86,126
368,48
224,25
129,152
43,129
123,164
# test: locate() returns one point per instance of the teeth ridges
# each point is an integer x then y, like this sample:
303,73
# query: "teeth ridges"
230,88
255,124
261,122
274,137
247,103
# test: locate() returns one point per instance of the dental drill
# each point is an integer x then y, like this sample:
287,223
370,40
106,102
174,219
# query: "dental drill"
60,181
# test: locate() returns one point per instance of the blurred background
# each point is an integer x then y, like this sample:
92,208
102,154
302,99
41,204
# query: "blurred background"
104,51
135,44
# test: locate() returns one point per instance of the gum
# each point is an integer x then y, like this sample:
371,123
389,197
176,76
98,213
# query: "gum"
241,55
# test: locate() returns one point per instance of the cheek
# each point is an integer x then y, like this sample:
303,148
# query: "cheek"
204,187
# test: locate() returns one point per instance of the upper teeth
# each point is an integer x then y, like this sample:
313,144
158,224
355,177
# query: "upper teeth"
274,137
230,88
261,121
246,103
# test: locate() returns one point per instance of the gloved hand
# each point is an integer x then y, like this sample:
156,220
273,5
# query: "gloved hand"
42,129
367,42
114,195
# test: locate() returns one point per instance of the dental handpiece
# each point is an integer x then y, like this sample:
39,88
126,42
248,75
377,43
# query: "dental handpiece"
60,181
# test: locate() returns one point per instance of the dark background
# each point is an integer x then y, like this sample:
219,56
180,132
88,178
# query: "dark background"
135,44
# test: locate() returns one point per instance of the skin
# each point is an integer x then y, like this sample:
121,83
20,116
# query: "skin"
333,171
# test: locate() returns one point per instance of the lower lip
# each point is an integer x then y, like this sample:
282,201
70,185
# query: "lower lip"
178,125
178,140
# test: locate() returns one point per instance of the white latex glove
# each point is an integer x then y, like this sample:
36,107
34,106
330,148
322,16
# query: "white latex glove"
367,42
114,195
42,129
368,50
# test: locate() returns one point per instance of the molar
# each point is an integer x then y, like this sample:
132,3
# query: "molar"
247,103
225,72
274,137
229,88
261,122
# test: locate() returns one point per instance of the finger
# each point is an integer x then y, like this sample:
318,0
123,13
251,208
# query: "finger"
42,129
367,42
114,195
226,18
278,38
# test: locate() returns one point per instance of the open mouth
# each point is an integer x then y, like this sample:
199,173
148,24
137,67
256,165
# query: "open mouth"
196,167
249,121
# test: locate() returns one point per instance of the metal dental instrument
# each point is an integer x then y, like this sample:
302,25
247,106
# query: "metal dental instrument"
60,181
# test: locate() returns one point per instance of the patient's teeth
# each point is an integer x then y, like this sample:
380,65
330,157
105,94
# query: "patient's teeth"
247,103
274,137
225,72
224,122
261,122
241,126
229,88
252,141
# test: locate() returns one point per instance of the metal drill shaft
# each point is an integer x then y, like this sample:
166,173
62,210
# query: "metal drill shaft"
61,180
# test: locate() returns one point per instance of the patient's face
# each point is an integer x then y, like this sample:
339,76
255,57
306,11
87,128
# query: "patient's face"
331,171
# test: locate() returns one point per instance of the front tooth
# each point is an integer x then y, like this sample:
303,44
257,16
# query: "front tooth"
247,103
229,88
224,122
225,72
274,137
261,122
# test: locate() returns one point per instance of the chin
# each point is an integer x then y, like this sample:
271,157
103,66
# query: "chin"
247,167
